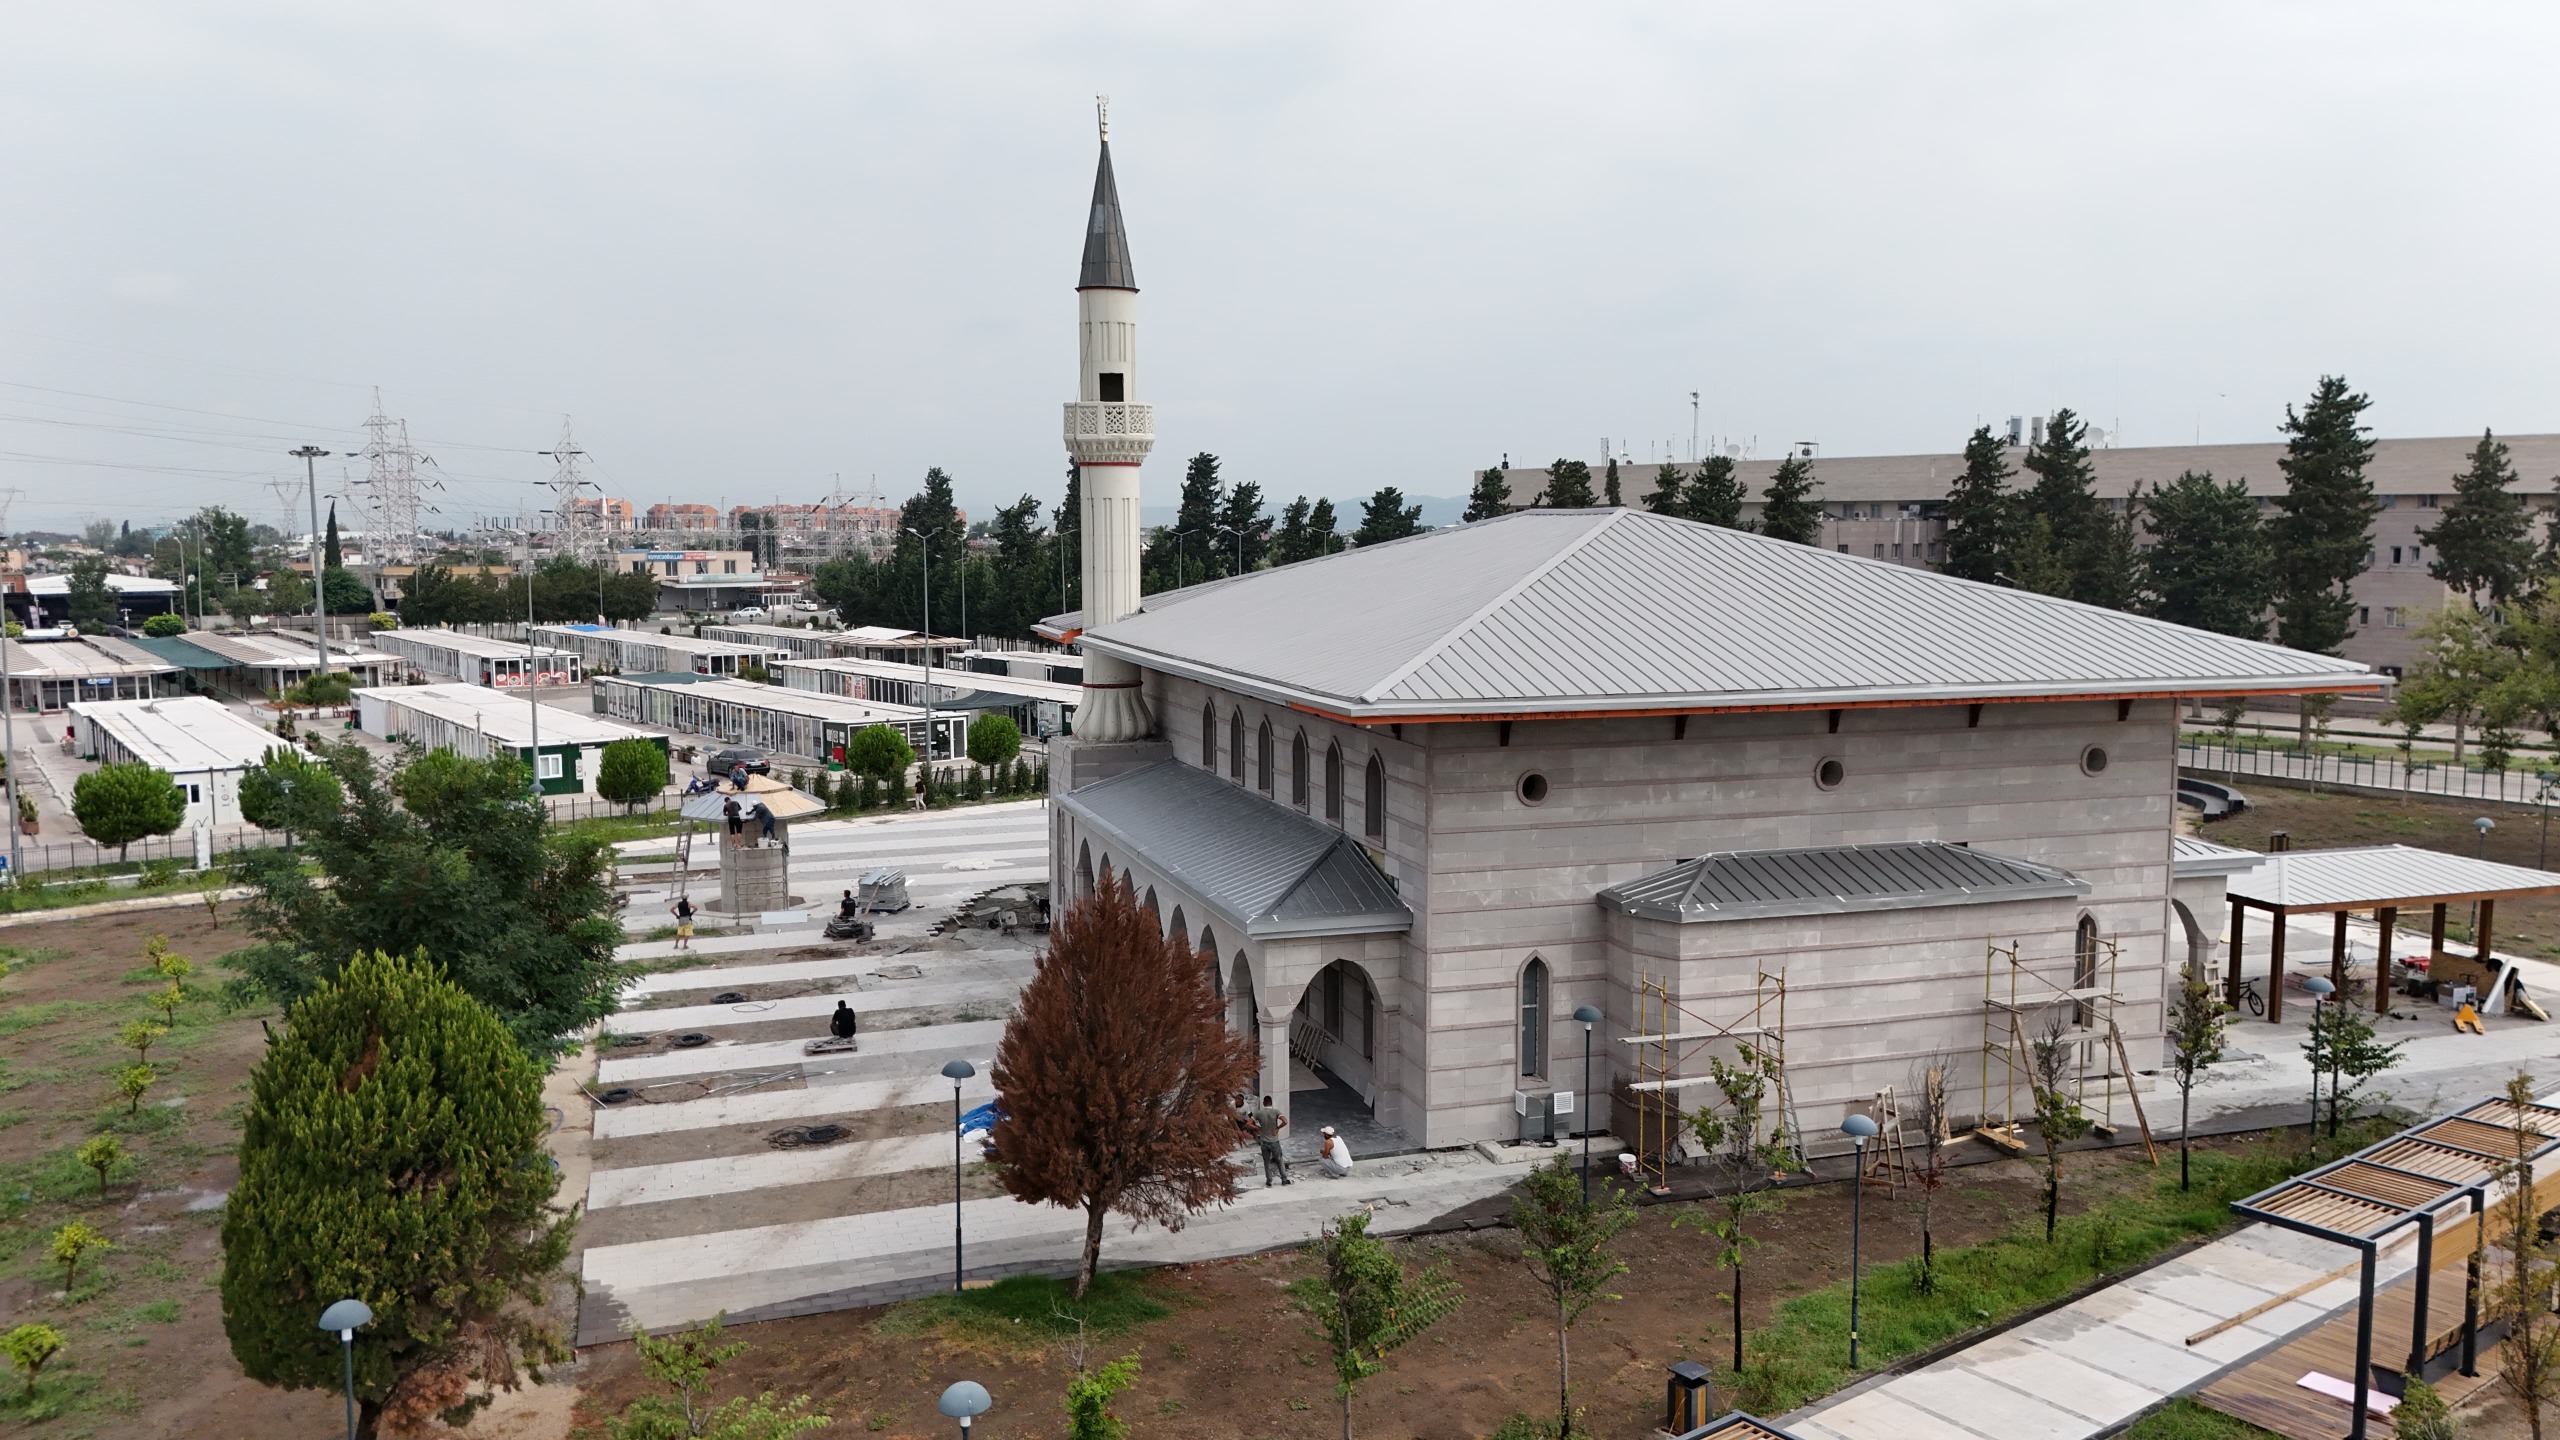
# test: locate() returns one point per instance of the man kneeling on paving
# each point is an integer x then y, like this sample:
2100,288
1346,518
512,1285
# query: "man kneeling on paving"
842,1023
1267,1125
1336,1155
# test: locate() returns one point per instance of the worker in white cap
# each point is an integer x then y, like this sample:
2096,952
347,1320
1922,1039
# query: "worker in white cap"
1336,1155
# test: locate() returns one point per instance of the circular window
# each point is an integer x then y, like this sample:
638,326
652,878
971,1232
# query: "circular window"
1532,789
2093,761
1829,774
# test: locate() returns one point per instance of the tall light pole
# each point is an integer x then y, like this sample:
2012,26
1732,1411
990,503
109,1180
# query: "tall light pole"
1861,1129
956,1071
2319,988
925,539
532,676
1231,530
346,1317
1589,1015
319,580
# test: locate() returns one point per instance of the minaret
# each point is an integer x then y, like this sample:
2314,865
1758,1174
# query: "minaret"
1108,434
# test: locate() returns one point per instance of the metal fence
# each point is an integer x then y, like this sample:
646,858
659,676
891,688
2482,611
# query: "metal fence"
37,855
2367,774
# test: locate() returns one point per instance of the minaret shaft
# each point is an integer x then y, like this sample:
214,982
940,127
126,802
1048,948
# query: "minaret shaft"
1109,431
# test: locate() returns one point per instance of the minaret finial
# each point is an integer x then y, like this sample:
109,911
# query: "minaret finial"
1102,116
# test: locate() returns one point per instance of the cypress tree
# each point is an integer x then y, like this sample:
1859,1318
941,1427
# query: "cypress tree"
1491,497
392,1152
1981,513
1715,495
1178,554
1609,493
1788,511
329,555
2065,494
2482,545
1568,486
2323,522
2209,565
1294,541
1666,494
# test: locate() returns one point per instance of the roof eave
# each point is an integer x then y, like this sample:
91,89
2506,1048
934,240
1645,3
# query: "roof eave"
1354,711
1842,905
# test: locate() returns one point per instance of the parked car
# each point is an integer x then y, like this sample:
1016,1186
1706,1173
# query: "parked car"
751,612
725,763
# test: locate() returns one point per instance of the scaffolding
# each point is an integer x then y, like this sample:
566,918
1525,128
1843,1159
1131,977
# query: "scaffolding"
1671,1036
2019,1001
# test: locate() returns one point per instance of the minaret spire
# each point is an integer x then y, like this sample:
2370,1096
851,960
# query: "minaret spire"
1108,432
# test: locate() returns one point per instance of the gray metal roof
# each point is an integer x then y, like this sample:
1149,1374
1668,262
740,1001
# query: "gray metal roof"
2194,857
1545,611
1828,880
2368,876
1270,871
1106,244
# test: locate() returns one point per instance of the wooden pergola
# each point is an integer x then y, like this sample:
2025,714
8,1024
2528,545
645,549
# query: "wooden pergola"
2384,879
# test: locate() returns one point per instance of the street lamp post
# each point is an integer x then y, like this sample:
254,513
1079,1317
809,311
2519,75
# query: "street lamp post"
925,539
319,581
965,1401
1231,530
956,1071
2484,825
1861,1129
2319,987
346,1317
1589,1015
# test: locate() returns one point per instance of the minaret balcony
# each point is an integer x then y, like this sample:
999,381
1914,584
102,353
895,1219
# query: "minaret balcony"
1105,432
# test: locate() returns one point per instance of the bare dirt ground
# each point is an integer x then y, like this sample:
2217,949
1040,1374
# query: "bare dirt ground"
1235,1359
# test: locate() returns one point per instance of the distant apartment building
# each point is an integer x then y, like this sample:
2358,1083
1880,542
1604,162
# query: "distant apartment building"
1893,508
684,517
604,512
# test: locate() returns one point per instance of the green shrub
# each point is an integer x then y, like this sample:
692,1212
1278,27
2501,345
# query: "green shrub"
161,627
994,739
631,771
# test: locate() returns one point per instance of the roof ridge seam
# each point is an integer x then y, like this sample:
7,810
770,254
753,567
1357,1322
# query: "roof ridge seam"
1511,592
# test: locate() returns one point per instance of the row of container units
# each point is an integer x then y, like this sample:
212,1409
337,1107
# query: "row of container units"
564,747
1036,707
479,660
201,744
610,649
789,723
858,642
51,674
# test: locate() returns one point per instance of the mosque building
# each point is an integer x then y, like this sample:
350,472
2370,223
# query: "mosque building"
1424,801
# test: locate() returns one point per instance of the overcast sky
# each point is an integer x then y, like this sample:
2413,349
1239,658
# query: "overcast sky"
753,247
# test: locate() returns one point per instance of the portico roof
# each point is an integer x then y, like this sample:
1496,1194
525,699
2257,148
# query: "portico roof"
1835,879
2374,876
1271,872
1557,613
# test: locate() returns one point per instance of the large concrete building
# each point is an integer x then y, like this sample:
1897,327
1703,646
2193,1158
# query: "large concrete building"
1893,508
1420,802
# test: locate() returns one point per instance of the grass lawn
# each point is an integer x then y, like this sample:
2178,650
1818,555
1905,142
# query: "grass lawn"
2187,1420
1802,1354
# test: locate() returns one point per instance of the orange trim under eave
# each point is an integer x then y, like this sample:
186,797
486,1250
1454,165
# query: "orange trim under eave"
1810,705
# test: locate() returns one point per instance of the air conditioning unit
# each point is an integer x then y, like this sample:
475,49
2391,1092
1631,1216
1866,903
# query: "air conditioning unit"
1537,1112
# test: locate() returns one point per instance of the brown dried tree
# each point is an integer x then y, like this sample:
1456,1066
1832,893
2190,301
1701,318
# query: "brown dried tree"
1117,1076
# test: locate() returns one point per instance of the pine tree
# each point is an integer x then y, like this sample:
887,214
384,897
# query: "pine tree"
393,1151
2322,531
1321,528
1116,1077
1066,528
2482,545
1384,516
1666,494
2065,494
1609,493
2209,565
1568,486
1715,495
1982,515
1294,541
1491,497
1179,554
1788,511
2107,570
2035,565
1248,528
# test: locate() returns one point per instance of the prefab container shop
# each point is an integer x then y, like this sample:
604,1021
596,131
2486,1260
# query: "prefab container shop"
480,660
476,721
788,722
643,652
201,744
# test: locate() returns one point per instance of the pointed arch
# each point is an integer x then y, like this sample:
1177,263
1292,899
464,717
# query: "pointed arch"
1333,783
2084,964
1298,770
1209,735
1209,960
1150,905
1084,868
1176,928
1235,745
1534,984
1262,757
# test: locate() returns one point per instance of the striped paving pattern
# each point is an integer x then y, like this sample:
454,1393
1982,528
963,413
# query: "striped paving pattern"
687,1162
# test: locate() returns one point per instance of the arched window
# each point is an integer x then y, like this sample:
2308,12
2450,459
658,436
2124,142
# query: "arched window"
1152,912
2084,966
1235,745
1177,929
1084,870
1533,1018
1209,735
1333,783
1373,800
1298,771
1262,758
1209,957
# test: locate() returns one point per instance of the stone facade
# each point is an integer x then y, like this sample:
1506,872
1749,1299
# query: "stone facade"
1496,881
